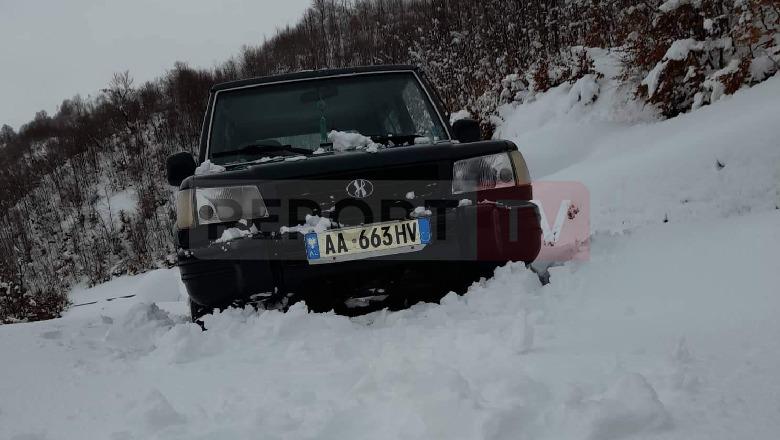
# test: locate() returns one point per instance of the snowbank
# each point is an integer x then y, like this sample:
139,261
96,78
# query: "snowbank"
720,160
136,331
594,355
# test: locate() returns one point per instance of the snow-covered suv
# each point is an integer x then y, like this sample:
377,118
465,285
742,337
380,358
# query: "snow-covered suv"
344,188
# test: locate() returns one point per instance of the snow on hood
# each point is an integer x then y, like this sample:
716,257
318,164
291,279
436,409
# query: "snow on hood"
343,141
208,167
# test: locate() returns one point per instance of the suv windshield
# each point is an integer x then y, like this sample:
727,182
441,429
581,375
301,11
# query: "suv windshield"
290,118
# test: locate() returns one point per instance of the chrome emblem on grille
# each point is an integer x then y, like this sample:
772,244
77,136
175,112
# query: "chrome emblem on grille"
360,188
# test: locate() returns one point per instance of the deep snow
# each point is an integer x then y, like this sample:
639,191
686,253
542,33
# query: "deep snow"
669,331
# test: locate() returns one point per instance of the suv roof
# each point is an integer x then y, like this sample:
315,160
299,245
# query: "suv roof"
310,74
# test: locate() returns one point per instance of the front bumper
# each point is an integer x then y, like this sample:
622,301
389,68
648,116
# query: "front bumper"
465,239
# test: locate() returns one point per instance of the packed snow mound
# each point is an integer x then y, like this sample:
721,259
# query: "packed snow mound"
137,329
631,406
584,91
157,413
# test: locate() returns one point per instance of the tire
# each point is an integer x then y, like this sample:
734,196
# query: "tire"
319,302
198,311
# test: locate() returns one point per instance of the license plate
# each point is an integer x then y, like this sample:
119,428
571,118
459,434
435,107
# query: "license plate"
372,240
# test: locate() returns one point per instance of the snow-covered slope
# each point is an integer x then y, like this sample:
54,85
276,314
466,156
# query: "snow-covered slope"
719,161
668,332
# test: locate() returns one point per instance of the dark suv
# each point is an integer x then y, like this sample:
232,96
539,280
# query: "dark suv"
347,189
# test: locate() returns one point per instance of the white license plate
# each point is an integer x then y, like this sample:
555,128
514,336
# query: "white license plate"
372,240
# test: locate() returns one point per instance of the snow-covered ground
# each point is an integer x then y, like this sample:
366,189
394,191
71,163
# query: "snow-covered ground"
669,331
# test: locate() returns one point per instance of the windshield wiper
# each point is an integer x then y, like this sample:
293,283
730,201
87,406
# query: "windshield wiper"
396,139
264,148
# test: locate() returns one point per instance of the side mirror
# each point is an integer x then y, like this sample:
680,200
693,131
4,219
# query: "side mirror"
466,131
178,167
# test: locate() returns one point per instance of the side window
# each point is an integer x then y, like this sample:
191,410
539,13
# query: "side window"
419,109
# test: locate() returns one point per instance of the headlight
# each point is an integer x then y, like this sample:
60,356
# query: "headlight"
207,206
480,173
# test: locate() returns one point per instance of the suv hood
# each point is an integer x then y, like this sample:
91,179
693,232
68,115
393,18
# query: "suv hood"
346,164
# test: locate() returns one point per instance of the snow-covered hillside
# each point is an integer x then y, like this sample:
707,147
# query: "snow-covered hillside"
670,331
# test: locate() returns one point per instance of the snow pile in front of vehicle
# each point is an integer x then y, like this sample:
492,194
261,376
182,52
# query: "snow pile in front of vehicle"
593,355
345,141
135,332
453,370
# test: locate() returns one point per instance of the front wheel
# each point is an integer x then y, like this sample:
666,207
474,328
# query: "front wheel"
198,311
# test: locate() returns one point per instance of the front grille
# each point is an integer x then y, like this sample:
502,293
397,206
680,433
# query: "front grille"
389,200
